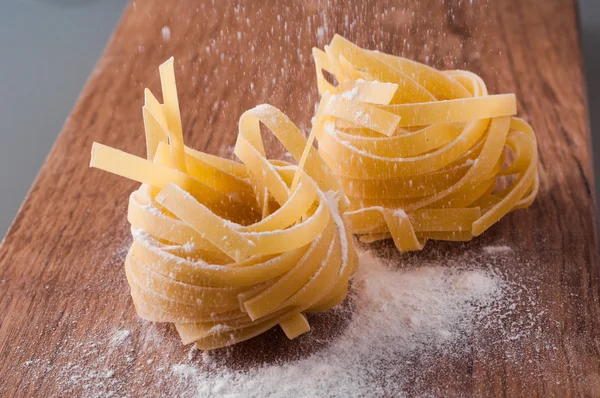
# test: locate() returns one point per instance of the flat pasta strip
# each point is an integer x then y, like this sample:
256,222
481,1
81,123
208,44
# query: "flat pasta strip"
227,250
423,162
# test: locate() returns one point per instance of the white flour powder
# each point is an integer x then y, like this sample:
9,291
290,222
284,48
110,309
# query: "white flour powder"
402,324
397,313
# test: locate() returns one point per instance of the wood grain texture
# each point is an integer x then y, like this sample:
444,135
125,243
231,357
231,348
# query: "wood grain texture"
63,292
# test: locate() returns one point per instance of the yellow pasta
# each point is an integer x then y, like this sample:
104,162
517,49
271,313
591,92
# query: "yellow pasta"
227,250
419,152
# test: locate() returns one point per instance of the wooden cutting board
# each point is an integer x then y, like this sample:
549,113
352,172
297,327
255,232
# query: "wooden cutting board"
67,324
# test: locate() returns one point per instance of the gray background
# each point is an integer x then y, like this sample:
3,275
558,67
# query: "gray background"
48,47
39,86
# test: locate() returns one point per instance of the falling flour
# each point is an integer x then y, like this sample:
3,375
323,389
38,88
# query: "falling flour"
166,33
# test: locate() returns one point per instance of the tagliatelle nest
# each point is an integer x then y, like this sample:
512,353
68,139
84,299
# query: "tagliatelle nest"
419,151
227,250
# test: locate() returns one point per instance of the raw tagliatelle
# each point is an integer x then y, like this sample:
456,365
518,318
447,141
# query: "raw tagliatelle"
227,250
420,151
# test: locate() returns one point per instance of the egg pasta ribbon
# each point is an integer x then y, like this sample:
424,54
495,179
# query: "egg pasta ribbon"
420,152
227,250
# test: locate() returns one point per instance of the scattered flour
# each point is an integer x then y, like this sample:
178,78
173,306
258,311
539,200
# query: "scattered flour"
497,249
120,336
350,94
398,313
362,117
403,322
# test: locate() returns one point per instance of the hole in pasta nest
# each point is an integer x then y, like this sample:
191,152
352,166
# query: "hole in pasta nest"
330,77
503,182
273,347
273,147
276,152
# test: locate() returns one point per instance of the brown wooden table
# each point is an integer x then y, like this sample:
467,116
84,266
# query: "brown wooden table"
63,292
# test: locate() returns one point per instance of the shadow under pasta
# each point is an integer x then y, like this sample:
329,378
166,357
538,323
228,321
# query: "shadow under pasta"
273,347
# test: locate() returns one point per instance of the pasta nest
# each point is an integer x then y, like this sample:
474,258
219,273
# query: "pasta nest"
226,250
421,153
